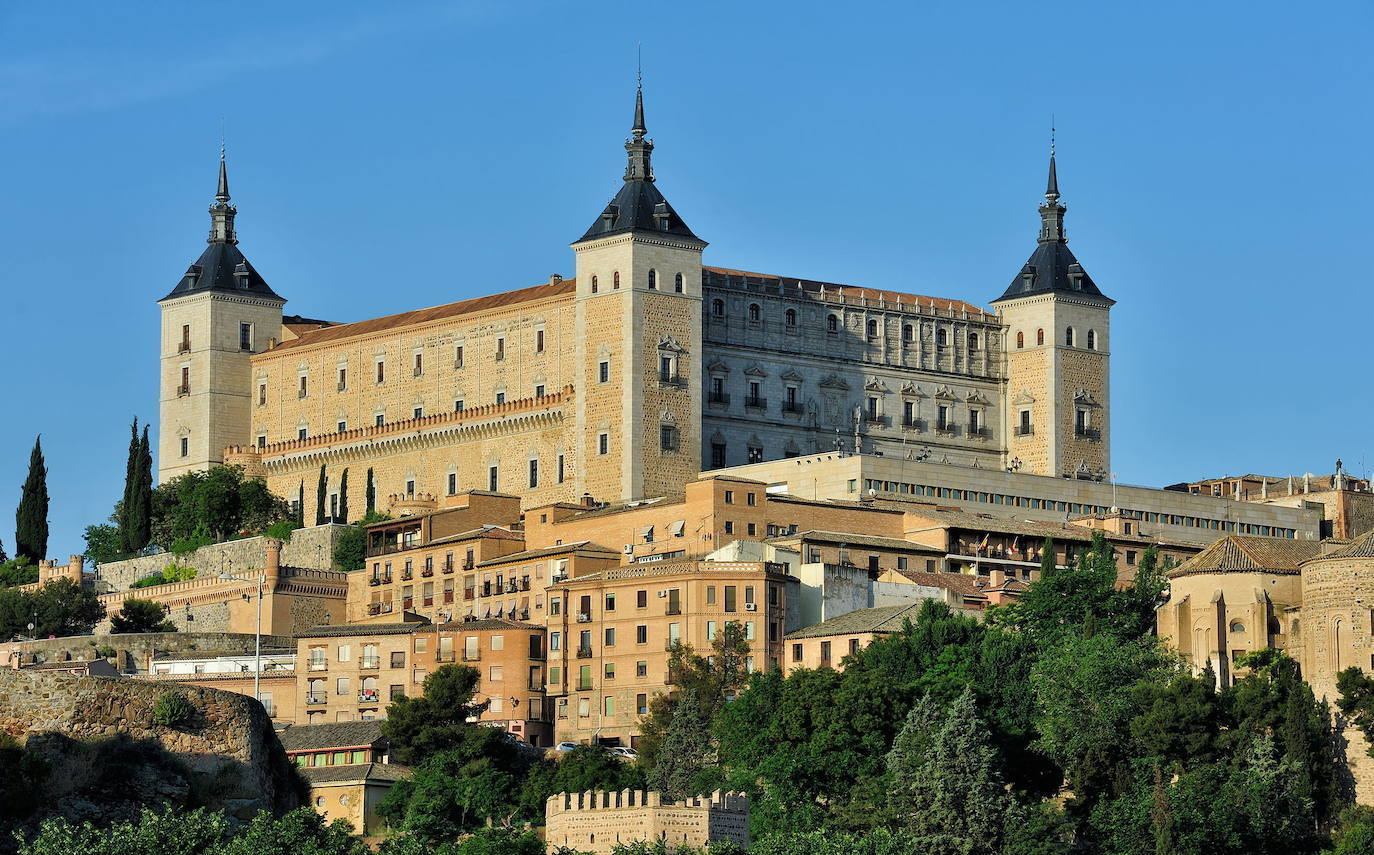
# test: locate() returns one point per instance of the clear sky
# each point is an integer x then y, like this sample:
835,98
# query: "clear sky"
1215,159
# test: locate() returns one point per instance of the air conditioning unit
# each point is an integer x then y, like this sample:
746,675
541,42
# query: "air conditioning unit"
751,607
629,548
662,594
584,618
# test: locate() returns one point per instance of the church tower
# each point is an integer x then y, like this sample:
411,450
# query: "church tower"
1058,346
638,311
213,321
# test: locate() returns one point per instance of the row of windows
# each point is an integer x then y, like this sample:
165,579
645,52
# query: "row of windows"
1077,508
1070,338
754,314
246,338
652,282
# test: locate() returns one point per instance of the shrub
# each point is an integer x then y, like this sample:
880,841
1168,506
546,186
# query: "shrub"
175,572
105,651
148,581
172,710
281,530
190,544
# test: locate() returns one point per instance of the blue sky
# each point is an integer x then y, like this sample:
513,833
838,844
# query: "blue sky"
1215,161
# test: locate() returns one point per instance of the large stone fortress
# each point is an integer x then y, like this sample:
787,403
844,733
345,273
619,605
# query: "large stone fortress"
627,380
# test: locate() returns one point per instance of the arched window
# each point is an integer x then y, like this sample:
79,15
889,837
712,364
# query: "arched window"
1039,337
677,283
832,323
908,333
1068,337
755,313
973,341
872,329
1237,626
653,279
615,282
941,337
790,317
1092,339
593,284
1020,339
718,308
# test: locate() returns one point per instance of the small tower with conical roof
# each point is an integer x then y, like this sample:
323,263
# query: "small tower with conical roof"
219,314
1057,356
638,315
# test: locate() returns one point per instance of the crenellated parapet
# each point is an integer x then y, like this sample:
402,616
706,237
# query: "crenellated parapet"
598,820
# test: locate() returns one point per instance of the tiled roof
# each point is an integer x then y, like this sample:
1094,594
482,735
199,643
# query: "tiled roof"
852,539
483,624
1238,553
355,772
333,630
964,584
494,532
724,277
342,734
530,554
435,313
1005,525
880,619
1360,547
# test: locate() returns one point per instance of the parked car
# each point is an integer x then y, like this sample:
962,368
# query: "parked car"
623,752
565,746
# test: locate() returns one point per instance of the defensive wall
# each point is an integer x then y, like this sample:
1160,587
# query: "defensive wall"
596,820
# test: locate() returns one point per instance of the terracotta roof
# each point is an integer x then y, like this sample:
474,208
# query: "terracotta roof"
852,539
964,584
1005,525
355,772
485,624
1360,547
529,554
434,313
363,629
1238,553
493,532
814,287
341,734
883,619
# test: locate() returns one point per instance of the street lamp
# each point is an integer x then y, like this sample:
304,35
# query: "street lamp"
257,636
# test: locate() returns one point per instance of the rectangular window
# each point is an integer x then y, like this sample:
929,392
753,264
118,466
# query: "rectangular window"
642,668
343,379
608,672
186,446
381,371
419,364
729,526
610,602
717,455
609,705
495,673
538,341
262,394
500,397
642,599
610,636
500,348
300,434
730,604
491,478
667,438
452,483
560,469
604,372
245,336
603,444
710,630
185,338
642,634
642,704
458,356
710,595
343,427
418,413
534,473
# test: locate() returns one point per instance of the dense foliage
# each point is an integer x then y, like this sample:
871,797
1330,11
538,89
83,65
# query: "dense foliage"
350,550
213,505
198,832
58,608
18,571
141,616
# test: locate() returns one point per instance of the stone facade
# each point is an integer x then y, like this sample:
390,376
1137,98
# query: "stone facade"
134,652
595,821
309,548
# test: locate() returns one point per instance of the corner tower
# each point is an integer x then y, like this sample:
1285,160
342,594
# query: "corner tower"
1057,349
638,310
213,321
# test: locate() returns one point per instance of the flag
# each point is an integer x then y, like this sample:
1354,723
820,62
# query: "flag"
984,546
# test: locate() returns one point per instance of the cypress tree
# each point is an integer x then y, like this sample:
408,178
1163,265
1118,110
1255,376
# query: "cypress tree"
31,519
3,556
686,750
142,515
124,518
319,497
300,505
370,494
343,497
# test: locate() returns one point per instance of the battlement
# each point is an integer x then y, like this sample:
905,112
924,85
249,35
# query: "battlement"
597,820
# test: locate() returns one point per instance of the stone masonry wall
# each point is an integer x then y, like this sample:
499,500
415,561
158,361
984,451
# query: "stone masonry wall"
596,821
308,547
134,650
227,732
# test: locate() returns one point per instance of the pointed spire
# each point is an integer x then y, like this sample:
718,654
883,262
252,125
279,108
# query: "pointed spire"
1052,188
639,148
222,194
639,130
1052,211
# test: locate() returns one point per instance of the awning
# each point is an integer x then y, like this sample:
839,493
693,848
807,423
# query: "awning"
647,532
675,528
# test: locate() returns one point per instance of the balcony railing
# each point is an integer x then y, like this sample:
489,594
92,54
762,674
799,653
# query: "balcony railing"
672,610
584,653
875,420
671,380
1090,434
978,432
316,698
184,347
368,696
1023,430
427,572
441,656
756,403
947,430
793,407
914,424
448,567
472,656
370,662
721,398
584,687
318,665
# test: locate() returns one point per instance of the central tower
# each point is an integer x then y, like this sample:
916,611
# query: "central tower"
638,310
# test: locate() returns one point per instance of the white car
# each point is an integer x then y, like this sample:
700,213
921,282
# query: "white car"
622,751
565,746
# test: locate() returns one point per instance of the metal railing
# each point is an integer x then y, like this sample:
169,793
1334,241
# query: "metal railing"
370,662
316,698
718,398
793,407
1090,434
914,424
756,403
1023,430
584,653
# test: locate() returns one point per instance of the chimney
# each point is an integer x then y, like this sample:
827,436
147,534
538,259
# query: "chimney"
997,578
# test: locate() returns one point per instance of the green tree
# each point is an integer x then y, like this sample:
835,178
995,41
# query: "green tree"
104,543
31,519
1356,701
320,489
300,504
17,572
140,518
1354,832
126,504
370,494
59,608
350,550
439,719
1177,721
299,832
586,767
141,616
686,751
343,497
213,505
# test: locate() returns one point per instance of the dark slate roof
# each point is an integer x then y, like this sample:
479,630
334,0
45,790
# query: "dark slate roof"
633,210
354,772
341,734
222,267
1050,265
882,619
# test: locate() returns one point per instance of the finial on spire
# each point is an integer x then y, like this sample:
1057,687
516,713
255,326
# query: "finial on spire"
1052,187
639,130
